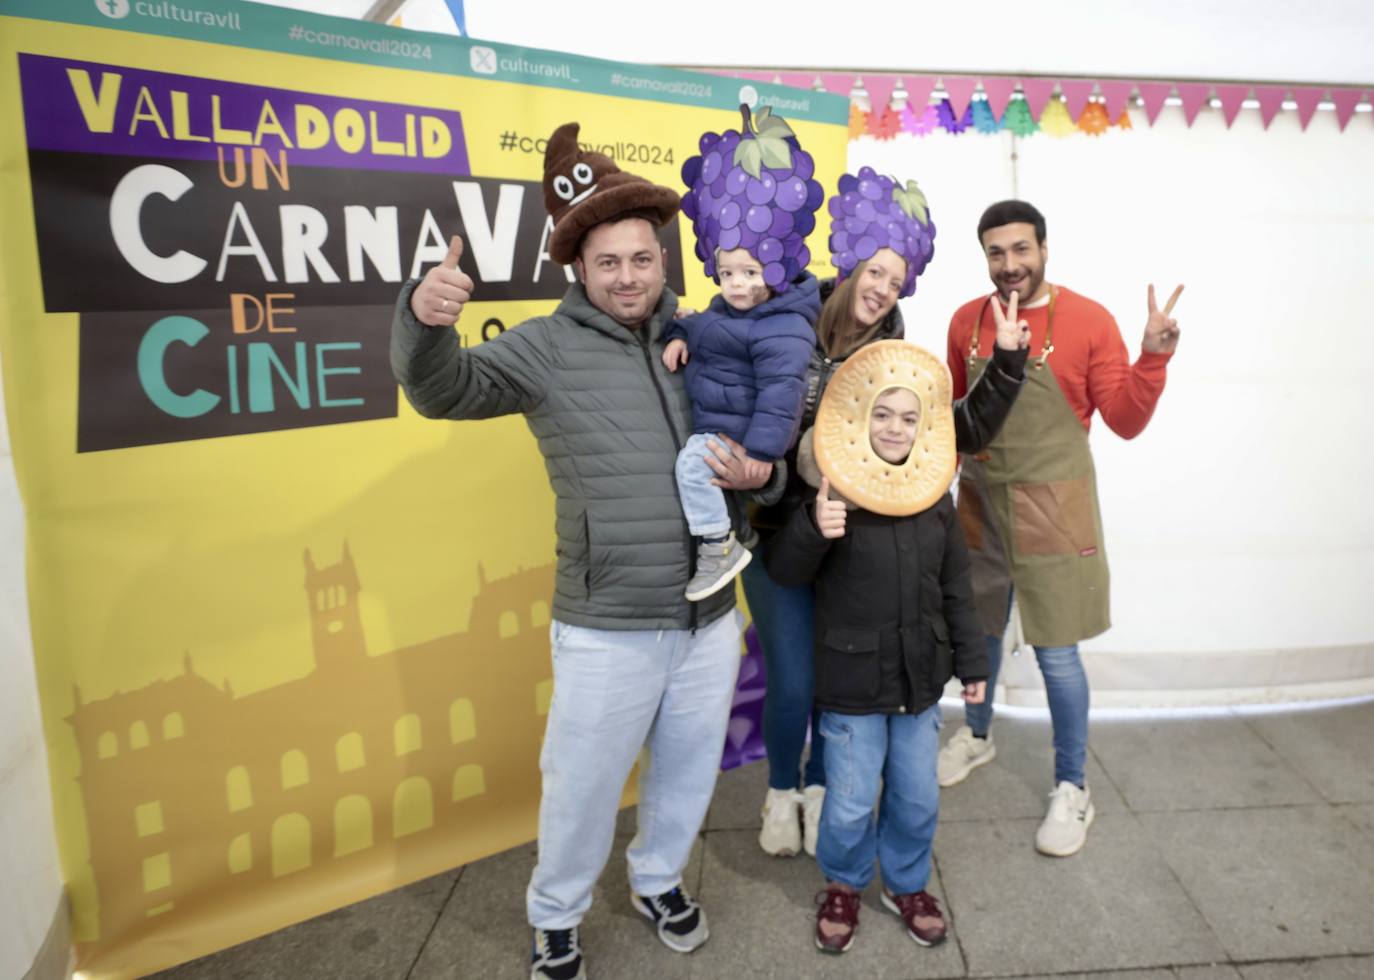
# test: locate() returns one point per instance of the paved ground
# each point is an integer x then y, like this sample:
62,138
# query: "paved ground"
1236,847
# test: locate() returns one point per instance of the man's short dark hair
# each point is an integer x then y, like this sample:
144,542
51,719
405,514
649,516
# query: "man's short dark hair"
1010,213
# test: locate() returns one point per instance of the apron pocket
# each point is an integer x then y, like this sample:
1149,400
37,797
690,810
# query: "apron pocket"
848,668
970,510
1054,518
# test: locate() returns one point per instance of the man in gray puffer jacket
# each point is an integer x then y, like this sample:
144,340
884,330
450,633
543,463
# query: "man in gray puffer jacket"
634,662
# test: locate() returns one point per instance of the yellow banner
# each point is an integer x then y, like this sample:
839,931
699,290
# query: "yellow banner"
291,639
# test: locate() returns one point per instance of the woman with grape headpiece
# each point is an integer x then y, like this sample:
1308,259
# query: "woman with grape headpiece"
881,239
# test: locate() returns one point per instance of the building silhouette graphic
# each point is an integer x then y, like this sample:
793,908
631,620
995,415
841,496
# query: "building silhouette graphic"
370,768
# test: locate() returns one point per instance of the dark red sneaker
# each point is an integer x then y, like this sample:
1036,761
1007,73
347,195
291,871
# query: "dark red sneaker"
921,913
838,907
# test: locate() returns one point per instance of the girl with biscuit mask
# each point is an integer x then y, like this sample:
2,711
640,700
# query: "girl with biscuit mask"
894,620
881,240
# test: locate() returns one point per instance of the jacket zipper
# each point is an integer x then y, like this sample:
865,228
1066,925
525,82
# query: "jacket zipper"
677,445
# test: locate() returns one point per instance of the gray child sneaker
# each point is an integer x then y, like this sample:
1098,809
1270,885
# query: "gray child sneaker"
717,565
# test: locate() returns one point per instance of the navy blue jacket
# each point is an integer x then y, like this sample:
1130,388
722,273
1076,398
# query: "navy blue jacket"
746,370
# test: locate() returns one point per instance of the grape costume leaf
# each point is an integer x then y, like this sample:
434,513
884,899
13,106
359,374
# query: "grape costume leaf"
769,146
912,201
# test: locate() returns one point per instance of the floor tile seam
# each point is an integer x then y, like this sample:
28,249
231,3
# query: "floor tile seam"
1249,724
1099,971
1107,772
1161,854
1360,828
435,924
1319,805
1299,960
949,911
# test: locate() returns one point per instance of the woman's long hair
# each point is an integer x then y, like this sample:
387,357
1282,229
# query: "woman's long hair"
838,331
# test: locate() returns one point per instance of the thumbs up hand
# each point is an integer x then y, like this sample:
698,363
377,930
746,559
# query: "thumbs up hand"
830,514
438,300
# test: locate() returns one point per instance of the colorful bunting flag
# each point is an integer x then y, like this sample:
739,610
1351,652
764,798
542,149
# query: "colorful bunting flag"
1018,118
983,119
858,121
1055,120
1077,109
920,120
1094,119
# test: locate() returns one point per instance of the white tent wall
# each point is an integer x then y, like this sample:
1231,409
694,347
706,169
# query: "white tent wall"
32,892
1238,529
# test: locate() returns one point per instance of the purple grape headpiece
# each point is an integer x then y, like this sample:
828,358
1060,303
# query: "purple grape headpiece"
753,190
872,212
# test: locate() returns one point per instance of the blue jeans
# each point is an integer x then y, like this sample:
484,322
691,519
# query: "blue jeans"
615,692
783,618
1066,689
702,503
862,752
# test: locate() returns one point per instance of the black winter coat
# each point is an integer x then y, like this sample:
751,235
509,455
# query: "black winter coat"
978,416
895,617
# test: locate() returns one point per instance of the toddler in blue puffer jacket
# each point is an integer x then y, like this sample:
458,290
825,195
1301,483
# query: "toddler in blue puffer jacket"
752,198
745,356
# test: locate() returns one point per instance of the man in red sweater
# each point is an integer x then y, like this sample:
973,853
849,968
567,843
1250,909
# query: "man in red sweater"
1028,504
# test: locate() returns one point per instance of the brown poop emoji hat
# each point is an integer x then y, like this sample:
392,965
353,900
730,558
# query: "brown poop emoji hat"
584,189
844,452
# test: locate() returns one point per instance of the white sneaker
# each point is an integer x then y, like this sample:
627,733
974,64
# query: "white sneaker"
781,835
813,799
1065,828
961,755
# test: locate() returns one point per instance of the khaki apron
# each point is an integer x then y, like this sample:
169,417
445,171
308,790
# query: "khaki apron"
1028,509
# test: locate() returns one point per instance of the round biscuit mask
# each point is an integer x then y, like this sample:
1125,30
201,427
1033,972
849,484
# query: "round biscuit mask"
844,452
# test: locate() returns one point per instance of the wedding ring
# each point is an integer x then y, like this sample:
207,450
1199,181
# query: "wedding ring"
444,305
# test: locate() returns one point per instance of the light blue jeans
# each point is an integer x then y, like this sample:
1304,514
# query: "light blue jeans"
1066,689
784,619
866,755
702,503
614,692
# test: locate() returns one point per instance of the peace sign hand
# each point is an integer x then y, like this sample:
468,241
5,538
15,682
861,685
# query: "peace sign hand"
1012,334
1161,330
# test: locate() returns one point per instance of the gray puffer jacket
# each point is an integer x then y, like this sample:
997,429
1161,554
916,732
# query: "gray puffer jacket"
610,421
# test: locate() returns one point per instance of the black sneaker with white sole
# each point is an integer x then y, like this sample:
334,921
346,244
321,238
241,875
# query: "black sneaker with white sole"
681,922
557,955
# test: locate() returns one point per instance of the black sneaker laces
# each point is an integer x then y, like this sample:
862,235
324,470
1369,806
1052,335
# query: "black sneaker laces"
679,909
559,943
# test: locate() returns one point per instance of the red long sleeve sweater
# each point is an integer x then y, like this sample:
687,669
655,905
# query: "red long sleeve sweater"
1090,361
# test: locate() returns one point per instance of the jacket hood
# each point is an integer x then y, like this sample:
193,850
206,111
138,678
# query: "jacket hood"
803,297
576,306
809,470
892,327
